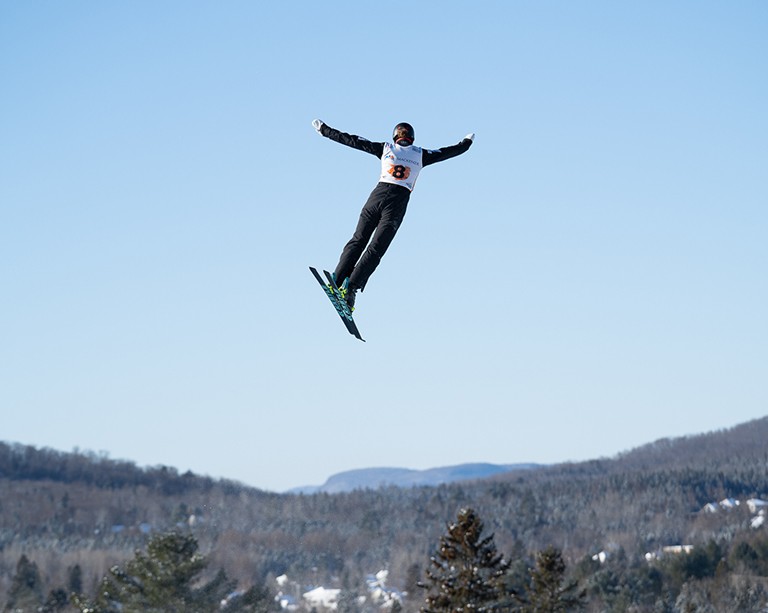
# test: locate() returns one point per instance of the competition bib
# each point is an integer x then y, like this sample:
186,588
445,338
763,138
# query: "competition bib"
400,165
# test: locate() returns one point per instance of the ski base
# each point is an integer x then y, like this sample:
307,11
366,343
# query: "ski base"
342,308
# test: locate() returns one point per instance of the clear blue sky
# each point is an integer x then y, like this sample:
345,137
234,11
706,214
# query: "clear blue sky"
591,276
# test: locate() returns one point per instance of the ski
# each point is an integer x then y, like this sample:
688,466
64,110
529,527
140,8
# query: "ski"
332,291
342,307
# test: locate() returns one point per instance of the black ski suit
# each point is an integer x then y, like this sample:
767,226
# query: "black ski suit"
382,213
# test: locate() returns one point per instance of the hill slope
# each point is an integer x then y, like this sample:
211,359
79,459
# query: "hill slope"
65,509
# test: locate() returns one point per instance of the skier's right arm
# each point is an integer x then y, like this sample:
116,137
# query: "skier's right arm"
350,140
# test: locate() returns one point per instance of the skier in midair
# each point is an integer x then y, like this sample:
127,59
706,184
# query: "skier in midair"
383,212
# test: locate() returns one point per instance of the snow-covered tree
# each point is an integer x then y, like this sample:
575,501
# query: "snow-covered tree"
465,572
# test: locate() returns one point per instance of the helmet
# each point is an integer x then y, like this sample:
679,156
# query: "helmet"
403,131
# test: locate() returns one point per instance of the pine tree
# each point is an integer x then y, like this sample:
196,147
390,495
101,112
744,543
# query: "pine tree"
26,591
75,579
57,601
161,579
466,572
162,582
549,592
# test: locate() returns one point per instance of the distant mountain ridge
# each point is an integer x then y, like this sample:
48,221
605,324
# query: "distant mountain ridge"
697,450
375,478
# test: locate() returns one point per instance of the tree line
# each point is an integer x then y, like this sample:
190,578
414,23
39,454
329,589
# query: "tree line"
67,515
465,572
27,463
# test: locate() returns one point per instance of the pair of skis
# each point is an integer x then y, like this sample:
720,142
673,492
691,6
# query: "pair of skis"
334,295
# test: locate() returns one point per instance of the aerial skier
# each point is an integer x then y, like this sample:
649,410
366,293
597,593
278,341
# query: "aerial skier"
383,212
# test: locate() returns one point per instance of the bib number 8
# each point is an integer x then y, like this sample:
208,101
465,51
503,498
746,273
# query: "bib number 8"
399,172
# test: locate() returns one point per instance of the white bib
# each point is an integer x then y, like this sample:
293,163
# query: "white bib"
400,165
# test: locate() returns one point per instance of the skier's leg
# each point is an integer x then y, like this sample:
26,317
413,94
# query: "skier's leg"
355,246
366,224
392,217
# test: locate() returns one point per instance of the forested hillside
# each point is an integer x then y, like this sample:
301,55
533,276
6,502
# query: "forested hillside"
80,513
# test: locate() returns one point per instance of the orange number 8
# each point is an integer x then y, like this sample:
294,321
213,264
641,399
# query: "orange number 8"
399,172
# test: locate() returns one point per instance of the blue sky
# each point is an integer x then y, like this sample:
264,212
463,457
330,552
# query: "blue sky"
589,277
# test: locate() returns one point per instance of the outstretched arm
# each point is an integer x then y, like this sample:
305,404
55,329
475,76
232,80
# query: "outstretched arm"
350,140
444,153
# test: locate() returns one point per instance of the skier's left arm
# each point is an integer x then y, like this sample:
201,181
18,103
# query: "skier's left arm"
431,156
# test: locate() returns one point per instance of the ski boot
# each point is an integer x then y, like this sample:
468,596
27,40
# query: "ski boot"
348,294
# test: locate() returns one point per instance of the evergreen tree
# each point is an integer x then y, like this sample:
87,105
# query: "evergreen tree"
162,582
75,579
466,572
26,591
57,601
548,590
161,579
